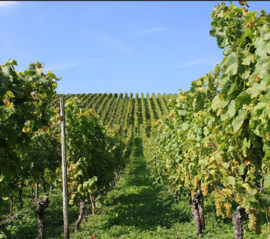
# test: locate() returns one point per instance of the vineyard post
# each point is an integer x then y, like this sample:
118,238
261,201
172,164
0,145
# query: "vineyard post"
36,191
64,168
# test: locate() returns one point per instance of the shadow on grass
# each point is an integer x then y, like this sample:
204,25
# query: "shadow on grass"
140,202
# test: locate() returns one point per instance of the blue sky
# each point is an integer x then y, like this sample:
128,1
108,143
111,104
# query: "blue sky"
114,47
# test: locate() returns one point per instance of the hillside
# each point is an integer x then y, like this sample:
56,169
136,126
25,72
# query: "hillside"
122,111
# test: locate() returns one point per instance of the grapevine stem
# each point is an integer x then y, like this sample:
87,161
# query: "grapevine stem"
267,218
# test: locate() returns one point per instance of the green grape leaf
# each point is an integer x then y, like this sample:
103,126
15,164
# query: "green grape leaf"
261,47
185,126
267,36
246,144
242,169
12,62
266,180
239,120
231,109
251,198
231,64
222,40
3,80
247,60
229,180
252,191
243,99
227,50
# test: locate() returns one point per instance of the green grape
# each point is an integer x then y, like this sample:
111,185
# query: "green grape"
196,181
248,210
255,219
228,207
222,170
204,188
220,208
252,221
238,198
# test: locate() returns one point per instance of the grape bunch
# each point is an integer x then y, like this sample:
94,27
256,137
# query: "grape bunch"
205,189
228,207
255,219
196,181
238,198
221,211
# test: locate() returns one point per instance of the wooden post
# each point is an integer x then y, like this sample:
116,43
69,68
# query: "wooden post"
36,191
64,168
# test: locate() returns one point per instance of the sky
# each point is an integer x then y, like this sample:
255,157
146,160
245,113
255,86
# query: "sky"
114,46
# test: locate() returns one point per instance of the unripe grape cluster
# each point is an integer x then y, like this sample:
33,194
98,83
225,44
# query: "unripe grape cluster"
255,218
252,221
228,207
238,198
223,171
221,211
196,181
205,189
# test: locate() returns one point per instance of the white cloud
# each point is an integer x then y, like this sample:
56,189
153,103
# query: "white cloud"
193,63
155,29
68,63
7,3
111,42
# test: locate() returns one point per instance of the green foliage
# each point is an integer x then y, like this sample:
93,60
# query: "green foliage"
93,153
219,127
23,111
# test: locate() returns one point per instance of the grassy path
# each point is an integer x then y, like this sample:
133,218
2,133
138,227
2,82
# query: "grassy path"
140,208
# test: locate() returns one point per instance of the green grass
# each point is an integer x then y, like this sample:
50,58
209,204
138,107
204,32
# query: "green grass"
138,207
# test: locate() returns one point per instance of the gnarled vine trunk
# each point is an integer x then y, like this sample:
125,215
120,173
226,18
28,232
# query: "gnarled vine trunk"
170,188
32,192
193,203
92,199
36,191
177,195
51,186
44,187
113,184
11,206
201,210
262,184
239,214
238,218
117,176
81,215
42,204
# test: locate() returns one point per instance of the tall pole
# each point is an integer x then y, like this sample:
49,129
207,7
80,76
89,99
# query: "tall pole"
36,191
64,168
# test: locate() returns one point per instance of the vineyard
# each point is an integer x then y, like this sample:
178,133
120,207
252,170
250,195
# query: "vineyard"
124,112
189,165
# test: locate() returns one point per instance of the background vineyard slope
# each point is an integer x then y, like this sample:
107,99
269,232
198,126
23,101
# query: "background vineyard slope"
126,113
